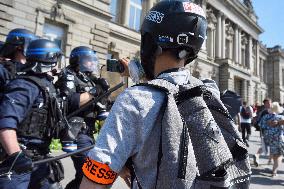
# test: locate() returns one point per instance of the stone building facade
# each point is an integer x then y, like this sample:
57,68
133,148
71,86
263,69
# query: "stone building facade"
232,54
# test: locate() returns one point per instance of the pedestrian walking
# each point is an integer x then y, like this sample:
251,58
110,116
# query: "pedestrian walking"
273,133
246,113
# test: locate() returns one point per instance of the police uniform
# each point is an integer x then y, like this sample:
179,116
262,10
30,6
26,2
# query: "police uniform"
70,82
4,75
21,99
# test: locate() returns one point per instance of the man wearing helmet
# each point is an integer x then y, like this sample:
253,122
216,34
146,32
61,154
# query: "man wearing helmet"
13,51
28,116
79,77
171,36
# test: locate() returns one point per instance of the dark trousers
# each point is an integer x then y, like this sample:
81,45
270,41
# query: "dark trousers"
83,140
246,129
37,179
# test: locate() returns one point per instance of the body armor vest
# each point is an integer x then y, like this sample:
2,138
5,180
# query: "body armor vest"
40,120
71,82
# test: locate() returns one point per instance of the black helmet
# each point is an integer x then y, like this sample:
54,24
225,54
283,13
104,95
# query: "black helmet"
43,54
86,58
178,25
17,37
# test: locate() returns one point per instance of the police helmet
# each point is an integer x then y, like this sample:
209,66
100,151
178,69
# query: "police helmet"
17,38
176,25
85,58
43,55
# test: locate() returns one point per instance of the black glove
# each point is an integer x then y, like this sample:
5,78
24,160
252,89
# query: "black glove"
103,83
94,92
22,163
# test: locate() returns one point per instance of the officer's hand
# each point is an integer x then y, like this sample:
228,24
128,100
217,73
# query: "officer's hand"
103,83
22,163
125,63
87,184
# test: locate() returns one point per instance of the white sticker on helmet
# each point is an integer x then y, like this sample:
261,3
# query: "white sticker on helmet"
182,39
193,8
155,16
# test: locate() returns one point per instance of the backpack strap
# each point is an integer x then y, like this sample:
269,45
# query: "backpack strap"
180,94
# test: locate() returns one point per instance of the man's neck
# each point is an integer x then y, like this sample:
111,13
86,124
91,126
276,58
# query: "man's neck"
166,62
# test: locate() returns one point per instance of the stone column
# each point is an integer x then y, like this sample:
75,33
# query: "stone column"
250,63
257,59
219,35
126,12
236,45
245,90
223,47
240,47
212,43
250,93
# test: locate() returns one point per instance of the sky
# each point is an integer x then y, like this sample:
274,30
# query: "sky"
271,19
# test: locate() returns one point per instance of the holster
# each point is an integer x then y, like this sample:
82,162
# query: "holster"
56,171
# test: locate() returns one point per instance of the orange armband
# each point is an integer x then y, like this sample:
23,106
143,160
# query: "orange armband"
98,172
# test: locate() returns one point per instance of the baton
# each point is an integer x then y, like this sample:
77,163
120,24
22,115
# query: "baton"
63,155
94,100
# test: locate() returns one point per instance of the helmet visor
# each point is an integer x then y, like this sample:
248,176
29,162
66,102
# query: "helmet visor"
20,39
89,63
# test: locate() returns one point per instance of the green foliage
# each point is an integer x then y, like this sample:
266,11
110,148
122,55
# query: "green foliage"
55,145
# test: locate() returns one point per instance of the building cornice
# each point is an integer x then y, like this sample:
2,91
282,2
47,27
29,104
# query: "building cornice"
85,7
125,33
238,14
242,10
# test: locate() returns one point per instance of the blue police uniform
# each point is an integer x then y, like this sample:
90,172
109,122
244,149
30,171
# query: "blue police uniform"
4,75
21,95
70,83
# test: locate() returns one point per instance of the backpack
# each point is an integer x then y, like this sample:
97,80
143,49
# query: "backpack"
245,113
199,144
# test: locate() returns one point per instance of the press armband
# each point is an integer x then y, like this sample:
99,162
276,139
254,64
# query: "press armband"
98,172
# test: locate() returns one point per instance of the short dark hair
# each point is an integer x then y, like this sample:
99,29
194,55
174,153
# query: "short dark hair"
266,100
244,103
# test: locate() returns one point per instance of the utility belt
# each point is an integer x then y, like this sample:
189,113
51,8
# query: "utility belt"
35,154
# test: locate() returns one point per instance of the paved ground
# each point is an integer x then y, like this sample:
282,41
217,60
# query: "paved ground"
260,179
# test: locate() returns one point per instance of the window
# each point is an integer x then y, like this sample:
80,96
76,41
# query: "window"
113,9
135,14
55,32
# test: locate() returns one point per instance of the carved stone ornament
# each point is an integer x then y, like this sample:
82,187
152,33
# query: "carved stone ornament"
244,39
56,11
211,18
229,30
248,4
200,2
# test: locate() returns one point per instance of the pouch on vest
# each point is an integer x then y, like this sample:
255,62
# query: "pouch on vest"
200,148
56,171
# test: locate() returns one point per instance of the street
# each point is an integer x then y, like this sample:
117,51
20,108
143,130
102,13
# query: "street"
260,178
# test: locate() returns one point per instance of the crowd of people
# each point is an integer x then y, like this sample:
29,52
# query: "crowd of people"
268,120
171,130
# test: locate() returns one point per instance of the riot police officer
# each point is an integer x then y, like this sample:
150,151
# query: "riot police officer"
13,51
28,118
79,77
